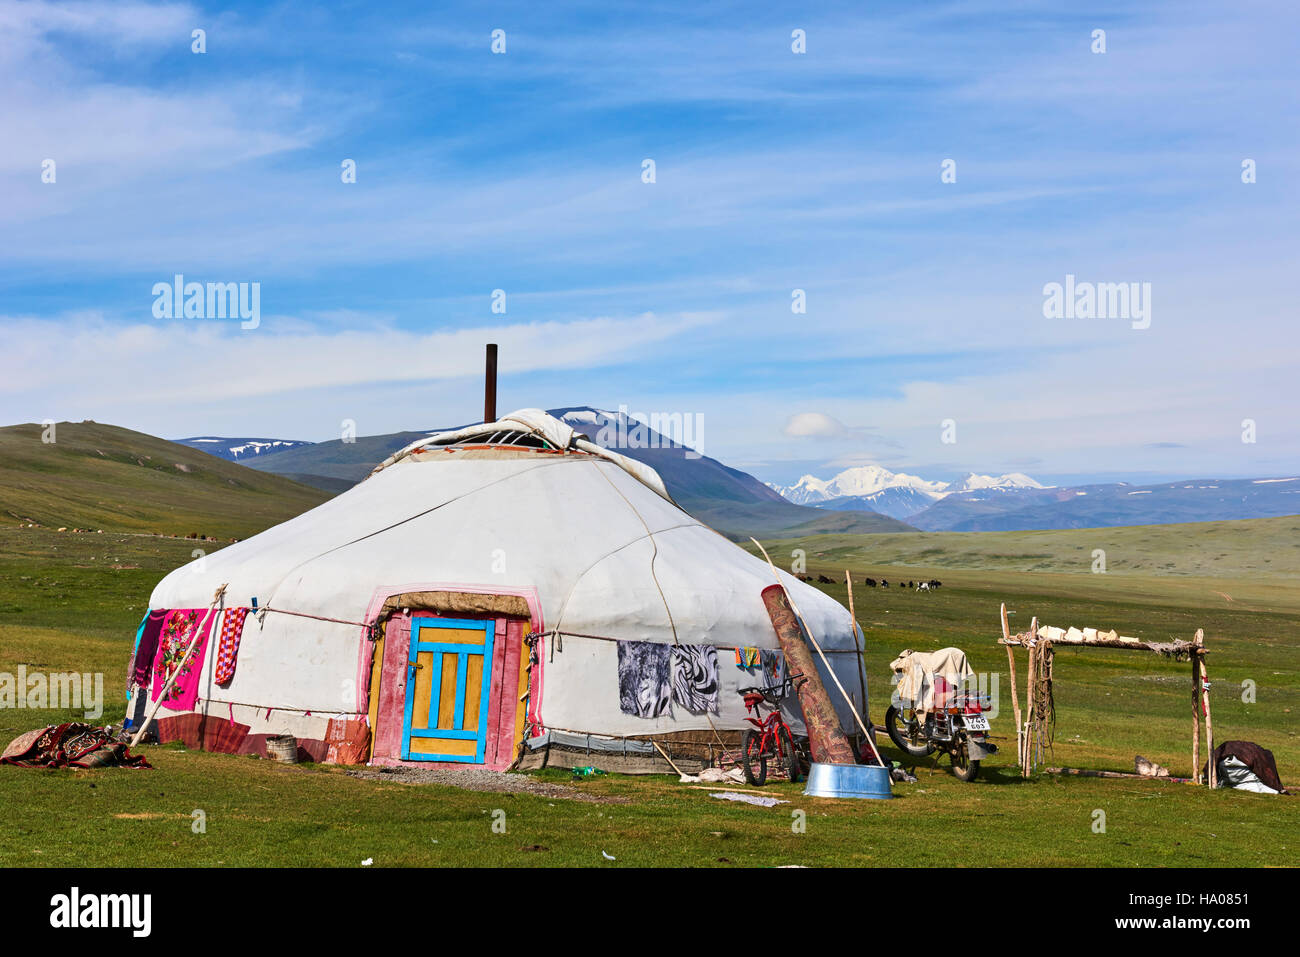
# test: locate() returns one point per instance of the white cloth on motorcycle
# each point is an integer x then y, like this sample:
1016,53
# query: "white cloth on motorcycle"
917,670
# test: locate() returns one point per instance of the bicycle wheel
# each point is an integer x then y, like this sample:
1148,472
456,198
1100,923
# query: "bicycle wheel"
793,765
753,759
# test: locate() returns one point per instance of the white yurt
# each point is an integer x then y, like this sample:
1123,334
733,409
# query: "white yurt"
504,595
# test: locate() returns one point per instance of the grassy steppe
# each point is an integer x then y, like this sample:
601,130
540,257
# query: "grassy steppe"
106,477
72,601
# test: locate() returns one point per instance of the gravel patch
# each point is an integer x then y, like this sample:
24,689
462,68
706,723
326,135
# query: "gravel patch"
481,779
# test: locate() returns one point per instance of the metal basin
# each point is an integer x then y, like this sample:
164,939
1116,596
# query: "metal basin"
848,781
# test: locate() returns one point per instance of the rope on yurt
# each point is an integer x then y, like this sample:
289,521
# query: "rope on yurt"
654,555
370,627
411,518
559,632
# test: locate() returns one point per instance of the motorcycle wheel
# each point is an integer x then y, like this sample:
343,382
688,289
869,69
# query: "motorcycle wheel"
753,760
906,735
792,763
962,766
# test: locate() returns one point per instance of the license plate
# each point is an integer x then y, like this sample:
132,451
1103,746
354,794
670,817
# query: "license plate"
976,722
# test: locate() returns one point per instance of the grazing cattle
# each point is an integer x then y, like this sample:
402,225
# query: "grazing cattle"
922,586
934,583
869,582
884,583
824,580
911,584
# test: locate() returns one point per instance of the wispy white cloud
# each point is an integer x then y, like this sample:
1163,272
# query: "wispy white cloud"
139,374
775,171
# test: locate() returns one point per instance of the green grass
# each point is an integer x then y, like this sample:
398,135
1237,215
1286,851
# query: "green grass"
104,477
1261,547
63,605
260,814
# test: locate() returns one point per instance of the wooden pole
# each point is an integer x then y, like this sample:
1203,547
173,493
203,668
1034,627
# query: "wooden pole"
862,663
1015,694
199,630
1196,717
1029,714
680,772
1114,774
1032,701
1205,698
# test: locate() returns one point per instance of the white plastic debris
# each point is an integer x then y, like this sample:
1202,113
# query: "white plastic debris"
749,799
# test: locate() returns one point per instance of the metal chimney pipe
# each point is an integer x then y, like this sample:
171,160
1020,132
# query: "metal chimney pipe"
490,385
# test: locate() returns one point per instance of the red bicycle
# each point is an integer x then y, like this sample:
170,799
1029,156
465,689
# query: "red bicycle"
770,737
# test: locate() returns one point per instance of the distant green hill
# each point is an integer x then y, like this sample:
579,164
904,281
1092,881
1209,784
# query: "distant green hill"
335,465
1257,548
101,476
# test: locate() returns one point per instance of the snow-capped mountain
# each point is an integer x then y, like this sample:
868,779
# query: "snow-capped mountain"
897,494
973,482
238,450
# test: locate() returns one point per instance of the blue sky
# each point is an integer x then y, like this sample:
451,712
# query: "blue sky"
775,171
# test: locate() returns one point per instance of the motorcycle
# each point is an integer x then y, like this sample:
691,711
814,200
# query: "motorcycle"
955,724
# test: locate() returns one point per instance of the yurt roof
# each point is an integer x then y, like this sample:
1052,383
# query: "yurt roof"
528,428
592,534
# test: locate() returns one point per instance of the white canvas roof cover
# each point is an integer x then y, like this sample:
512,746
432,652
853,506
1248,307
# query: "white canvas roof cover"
591,539
533,422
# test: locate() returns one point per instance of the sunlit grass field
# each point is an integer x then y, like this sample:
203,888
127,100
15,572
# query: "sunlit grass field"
72,602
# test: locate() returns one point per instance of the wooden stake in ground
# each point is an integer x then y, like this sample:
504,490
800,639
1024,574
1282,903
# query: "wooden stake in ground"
680,772
862,661
1028,753
1015,695
1205,699
1196,717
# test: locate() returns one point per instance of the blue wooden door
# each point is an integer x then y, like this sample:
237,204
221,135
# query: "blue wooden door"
448,676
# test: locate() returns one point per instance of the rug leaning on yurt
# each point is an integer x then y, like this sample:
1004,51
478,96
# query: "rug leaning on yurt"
485,596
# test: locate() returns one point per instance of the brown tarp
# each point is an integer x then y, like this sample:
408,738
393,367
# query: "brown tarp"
1259,760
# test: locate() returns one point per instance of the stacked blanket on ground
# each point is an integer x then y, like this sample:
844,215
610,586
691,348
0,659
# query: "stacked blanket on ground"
70,745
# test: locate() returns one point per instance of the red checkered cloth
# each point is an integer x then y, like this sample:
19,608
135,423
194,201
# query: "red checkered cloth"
228,647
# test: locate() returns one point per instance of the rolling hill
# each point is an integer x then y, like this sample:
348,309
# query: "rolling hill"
104,477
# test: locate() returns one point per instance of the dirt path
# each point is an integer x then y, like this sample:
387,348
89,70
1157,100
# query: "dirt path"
481,779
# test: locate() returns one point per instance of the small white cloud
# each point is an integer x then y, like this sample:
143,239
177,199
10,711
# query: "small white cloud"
816,425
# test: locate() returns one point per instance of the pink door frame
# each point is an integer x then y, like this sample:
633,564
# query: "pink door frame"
508,658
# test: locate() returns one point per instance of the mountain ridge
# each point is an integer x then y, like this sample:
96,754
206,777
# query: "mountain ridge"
897,494
732,501
865,498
